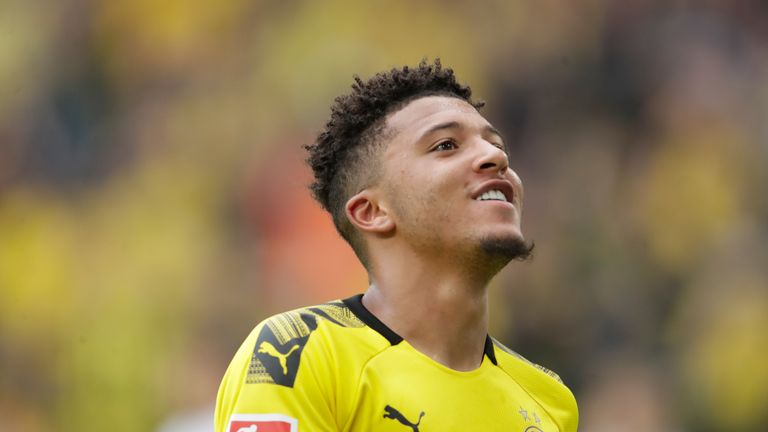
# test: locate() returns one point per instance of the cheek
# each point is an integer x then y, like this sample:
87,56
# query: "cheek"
518,185
425,195
419,202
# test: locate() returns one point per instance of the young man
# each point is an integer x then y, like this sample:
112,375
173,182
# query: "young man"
419,184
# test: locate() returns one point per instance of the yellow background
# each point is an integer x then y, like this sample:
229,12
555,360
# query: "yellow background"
153,204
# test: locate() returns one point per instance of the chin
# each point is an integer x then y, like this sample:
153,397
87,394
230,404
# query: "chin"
506,247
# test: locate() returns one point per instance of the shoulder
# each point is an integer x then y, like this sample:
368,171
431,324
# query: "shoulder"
305,364
303,321
542,384
282,343
289,364
507,352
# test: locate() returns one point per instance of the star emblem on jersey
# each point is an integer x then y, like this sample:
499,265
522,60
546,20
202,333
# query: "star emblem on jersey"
524,413
391,412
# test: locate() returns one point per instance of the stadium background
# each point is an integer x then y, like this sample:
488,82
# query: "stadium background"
153,203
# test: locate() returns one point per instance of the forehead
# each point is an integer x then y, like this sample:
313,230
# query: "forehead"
420,114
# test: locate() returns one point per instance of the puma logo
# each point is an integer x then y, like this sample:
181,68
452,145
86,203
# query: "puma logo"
251,428
270,350
391,413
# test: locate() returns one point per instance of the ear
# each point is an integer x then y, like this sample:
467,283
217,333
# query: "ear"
366,214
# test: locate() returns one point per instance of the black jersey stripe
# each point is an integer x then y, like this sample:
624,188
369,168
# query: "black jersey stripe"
489,351
321,313
355,304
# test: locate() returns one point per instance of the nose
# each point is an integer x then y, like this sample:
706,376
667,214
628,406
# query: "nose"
490,158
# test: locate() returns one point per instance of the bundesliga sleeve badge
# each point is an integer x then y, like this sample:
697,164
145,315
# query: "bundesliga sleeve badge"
262,423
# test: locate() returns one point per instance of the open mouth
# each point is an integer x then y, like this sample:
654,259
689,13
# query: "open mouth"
495,190
492,195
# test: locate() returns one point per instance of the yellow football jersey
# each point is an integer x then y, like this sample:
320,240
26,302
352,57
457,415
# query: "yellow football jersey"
336,367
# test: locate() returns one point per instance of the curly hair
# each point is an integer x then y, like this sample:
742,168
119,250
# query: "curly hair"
344,157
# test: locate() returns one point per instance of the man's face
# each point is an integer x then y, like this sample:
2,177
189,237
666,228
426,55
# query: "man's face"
447,180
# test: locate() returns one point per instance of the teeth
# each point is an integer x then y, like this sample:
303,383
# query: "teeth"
492,195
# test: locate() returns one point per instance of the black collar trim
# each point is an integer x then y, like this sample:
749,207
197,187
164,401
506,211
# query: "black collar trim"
355,304
489,351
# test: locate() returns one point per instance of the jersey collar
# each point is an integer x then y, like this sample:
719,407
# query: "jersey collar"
355,304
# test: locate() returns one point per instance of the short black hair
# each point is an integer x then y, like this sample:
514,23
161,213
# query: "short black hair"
344,157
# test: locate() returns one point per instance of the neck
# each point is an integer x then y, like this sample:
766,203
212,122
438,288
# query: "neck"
437,305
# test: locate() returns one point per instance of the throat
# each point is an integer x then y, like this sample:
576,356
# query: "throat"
447,324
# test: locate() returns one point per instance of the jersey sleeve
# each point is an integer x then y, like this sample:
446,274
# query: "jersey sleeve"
278,381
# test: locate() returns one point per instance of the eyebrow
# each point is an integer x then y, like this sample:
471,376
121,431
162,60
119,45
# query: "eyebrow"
457,125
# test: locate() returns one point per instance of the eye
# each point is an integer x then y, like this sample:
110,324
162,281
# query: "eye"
497,143
445,145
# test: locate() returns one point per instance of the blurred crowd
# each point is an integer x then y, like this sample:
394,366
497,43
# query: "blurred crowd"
153,202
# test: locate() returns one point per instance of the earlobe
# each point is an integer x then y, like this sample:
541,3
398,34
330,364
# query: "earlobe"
365,213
